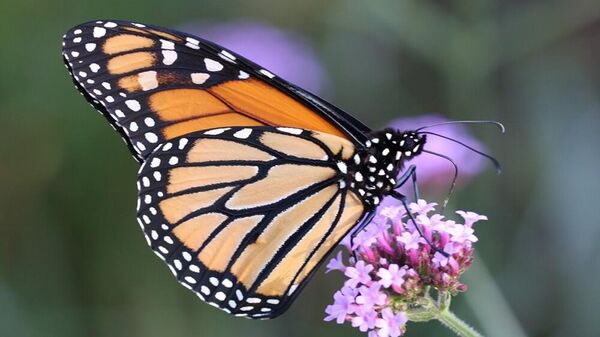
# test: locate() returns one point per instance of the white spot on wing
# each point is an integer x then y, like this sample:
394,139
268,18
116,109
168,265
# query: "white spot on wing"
94,67
148,80
220,296
267,73
214,132
165,44
149,121
243,75
191,45
169,57
243,133
133,105
199,78
182,143
212,65
227,56
99,32
177,264
155,163
192,40
239,295
151,137
293,131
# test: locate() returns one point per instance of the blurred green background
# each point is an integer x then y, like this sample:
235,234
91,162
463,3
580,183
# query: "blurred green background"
73,261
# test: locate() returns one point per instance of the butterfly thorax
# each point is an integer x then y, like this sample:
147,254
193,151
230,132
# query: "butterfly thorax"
371,172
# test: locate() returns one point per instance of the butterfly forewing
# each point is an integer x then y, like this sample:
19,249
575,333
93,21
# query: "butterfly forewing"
155,85
244,215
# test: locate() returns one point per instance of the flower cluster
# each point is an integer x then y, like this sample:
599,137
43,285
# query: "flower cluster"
392,267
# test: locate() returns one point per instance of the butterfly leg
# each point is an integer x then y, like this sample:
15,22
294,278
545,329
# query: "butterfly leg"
410,173
404,202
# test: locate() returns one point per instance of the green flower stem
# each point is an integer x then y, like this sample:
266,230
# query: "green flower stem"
428,309
447,318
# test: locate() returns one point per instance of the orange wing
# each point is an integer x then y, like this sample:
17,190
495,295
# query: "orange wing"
243,216
154,84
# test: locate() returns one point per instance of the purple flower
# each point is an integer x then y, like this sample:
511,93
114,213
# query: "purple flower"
365,318
422,207
342,306
393,267
391,276
370,296
441,226
471,217
390,324
410,240
358,274
336,263
462,233
366,237
392,211
287,54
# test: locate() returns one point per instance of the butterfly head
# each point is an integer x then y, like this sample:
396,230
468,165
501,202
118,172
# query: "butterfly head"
410,143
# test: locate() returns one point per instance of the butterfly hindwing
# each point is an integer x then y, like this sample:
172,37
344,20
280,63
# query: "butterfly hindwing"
155,84
244,215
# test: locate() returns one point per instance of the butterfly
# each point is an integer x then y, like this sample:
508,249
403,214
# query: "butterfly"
246,181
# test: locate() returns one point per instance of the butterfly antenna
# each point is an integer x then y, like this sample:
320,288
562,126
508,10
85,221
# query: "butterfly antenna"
492,159
453,184
496,123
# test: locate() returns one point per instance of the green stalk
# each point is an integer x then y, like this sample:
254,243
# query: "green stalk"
457,325
429,309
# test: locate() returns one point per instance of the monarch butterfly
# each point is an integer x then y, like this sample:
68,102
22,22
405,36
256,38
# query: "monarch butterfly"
246,181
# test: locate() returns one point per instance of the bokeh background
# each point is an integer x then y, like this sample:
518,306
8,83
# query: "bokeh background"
73,261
